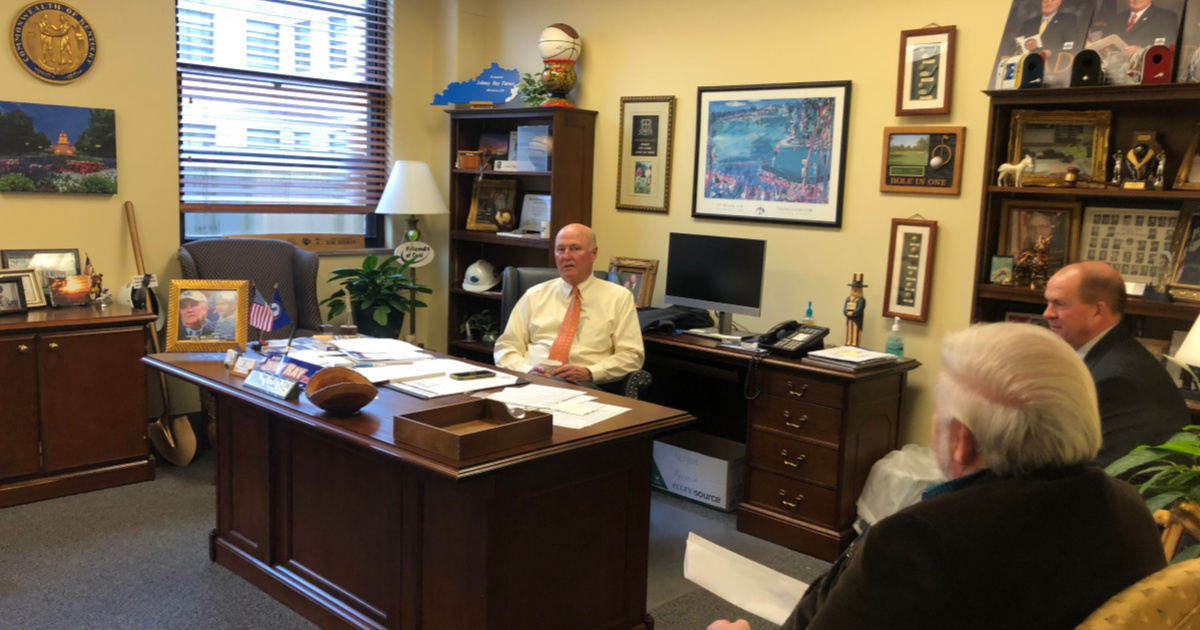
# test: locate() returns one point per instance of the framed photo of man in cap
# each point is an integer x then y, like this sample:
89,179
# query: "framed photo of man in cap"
208,315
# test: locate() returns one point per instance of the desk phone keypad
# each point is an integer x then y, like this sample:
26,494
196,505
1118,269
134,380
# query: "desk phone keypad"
799,338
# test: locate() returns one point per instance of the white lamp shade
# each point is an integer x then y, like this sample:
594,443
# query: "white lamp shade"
1189,352
411,190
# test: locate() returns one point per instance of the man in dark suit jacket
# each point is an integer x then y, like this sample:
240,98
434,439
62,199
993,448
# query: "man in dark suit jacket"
1060,27
1139,403
1151,25
1024,514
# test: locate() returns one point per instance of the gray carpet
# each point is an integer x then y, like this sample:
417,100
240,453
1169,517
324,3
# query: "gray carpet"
136,557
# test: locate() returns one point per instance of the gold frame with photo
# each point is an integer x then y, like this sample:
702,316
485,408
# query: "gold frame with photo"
943,38
1183,177
910,269
506,187
645,266
31,285
1101,122
922,183
1187,229
659,155
1006,246
175,344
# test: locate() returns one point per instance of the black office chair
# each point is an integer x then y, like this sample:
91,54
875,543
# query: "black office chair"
265,262
515,281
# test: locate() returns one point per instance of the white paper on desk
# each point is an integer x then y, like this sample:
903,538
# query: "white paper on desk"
404,371
536,396
444,385
741,582
373,349
599,413
324,359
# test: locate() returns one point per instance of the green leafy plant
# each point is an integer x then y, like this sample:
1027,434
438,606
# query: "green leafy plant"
376,287
1168,476
533,91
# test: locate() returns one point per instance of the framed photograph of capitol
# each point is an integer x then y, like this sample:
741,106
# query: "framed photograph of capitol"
644,156
926,71
772,153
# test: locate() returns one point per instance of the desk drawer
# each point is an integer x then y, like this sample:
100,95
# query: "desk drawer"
792,498
796,418
794,458
793,386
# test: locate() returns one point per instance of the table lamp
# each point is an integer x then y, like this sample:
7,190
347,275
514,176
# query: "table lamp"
411,190
1189,352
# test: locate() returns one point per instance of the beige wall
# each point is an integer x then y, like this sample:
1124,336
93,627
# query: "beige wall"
639,48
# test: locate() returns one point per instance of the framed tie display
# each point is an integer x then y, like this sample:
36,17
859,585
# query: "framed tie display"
926,77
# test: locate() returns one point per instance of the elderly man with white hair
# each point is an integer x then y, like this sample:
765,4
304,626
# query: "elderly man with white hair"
1025,534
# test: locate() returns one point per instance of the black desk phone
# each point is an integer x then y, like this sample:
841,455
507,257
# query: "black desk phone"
793,339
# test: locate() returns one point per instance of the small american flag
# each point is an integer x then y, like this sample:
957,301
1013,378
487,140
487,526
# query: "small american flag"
260,313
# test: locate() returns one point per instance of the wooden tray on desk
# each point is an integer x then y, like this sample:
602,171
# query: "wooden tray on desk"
471,429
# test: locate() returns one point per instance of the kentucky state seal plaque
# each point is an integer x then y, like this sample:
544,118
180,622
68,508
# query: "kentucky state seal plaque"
54,42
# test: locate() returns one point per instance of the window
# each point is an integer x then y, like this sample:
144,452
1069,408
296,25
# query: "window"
283,115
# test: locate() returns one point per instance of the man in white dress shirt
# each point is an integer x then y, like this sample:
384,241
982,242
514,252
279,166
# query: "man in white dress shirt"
607,343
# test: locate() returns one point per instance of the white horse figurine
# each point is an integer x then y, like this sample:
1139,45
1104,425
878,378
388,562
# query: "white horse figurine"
1016,171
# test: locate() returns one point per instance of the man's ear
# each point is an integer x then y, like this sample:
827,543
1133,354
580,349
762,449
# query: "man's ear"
963,444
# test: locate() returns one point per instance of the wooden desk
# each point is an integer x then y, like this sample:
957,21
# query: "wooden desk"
811,434
339,522
72,401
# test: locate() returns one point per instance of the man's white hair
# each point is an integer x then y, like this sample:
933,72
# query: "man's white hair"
1023,392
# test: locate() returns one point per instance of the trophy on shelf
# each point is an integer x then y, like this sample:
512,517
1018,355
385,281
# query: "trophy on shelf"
1144,163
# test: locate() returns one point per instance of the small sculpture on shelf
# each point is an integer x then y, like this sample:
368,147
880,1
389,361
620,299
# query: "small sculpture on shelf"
853,309
481,326
1118,167
1014,171
1032,267
1160,169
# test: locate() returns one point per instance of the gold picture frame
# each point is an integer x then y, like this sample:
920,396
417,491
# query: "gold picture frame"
1184,282
488,198
1188,177
644,153
1058,140
31,284
1017,229
213,334
635,274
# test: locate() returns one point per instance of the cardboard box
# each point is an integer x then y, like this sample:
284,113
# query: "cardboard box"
706,469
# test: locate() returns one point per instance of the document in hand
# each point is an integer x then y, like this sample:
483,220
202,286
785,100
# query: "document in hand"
741,582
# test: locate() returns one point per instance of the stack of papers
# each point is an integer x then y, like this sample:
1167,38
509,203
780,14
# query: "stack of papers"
373,350
570,408
849,358
441,384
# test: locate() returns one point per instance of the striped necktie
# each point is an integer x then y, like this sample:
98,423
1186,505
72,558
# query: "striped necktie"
566,334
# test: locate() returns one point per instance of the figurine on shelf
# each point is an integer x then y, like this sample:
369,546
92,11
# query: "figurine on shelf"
1014,171
1137,162
1159,169
95,279
1118,167
855,304
1032,268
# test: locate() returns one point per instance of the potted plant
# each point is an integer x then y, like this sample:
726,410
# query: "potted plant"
379,295
1168,476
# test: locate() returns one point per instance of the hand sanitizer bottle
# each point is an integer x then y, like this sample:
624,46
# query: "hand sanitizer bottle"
895,343
808,320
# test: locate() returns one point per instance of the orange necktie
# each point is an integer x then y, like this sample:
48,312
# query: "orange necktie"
566,334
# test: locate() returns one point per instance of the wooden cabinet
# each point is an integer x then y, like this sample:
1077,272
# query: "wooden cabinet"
73,406
1168,109
811,435
568,182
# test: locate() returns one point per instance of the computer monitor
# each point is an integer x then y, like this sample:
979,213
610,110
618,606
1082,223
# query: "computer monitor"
718,273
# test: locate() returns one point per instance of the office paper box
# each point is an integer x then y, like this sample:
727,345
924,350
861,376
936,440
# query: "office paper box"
700,467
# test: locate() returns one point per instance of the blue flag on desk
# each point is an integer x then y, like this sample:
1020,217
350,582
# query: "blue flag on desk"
268,317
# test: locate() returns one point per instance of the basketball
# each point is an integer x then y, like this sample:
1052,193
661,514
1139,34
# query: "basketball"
559,41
